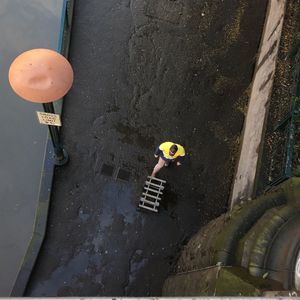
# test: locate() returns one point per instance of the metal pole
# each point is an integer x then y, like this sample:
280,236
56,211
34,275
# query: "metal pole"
60,155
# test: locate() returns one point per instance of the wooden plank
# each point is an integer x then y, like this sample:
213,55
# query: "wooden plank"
157,179
154,184
149,208
151,190
149,202
151,196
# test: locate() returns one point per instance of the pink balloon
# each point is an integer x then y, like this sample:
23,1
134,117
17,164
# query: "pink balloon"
40,75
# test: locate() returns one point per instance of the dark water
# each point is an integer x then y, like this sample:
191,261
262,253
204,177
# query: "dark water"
24,25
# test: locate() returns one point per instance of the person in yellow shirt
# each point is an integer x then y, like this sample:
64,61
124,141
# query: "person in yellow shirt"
168,152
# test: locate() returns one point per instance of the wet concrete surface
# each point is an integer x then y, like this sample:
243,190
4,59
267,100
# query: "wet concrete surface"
145,72
23,26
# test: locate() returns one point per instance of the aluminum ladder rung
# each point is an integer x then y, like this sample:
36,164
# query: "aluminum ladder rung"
147,207
157,179
149,202
151,196
151,190
161,187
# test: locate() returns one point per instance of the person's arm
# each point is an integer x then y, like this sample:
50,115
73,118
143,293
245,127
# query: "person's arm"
180,160
157,152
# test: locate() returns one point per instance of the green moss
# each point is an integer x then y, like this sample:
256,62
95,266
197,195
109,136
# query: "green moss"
221,83
291,189
232,31
230,284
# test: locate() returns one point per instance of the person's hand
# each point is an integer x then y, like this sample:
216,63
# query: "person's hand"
178,163
156,156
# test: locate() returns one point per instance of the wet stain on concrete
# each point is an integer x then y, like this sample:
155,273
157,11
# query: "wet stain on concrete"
165,10
83,216
132,135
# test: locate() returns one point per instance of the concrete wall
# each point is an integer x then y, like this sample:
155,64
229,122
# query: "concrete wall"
258,104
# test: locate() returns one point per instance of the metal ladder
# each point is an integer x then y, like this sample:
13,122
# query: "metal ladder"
153,189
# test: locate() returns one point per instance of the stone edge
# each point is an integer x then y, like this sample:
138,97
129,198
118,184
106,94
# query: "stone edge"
250,149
